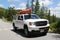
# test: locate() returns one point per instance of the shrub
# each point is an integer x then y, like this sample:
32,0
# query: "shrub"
52,26
57,27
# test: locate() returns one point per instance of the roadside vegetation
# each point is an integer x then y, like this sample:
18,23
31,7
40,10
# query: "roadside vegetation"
42,11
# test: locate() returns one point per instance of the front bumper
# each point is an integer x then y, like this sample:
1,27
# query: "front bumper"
39,29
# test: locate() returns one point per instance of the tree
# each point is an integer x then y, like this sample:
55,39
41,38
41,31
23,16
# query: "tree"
53,18
57,27
49,16
27,5
32,6
9,13
42,11
2,11
37,7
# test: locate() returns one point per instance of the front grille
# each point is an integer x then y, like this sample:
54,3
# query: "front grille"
41,23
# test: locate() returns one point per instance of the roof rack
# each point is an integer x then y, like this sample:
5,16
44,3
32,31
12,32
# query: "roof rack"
27,11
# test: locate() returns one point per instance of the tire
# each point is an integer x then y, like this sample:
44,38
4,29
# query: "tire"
26,30
14,27
45,33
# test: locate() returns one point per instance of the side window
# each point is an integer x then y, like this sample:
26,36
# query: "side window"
20,17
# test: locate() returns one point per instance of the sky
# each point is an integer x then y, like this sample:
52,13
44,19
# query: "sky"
53,5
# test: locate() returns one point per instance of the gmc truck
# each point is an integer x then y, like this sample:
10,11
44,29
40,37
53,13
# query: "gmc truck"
30,23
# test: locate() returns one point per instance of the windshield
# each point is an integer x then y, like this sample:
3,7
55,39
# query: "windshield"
32,17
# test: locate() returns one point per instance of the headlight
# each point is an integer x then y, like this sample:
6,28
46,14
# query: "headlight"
30,23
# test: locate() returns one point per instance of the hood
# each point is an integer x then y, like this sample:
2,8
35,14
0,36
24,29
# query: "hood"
34,20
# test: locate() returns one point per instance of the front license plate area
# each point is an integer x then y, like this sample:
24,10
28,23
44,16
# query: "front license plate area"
41,30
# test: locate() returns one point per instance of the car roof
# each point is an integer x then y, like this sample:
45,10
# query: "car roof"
28,14
25,14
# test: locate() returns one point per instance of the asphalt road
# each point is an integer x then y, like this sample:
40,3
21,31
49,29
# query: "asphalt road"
7,33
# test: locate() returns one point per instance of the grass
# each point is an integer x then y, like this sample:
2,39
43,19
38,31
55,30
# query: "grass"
50,31
4,20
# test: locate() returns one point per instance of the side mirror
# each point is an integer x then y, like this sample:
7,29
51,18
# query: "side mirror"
20,18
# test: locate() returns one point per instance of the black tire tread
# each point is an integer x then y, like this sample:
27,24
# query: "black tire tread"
14,27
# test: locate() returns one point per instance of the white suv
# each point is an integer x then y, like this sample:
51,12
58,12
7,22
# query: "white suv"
29,24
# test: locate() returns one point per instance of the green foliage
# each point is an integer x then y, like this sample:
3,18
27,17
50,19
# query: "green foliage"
37,7
49,16
32,6
2,10
54,18
52,26
27,5
42,13
10,12
57,27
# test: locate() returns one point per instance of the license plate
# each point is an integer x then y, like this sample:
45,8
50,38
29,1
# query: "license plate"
41,30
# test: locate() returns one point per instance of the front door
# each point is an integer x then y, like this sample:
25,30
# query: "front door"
20,22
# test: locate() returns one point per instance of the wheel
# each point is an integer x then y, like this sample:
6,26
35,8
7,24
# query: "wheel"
14,27
26,30
44,33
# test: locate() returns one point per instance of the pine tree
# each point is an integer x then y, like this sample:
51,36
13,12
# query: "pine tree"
32,6
9,13
49,16
42,11
37,7
53,18
27,5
